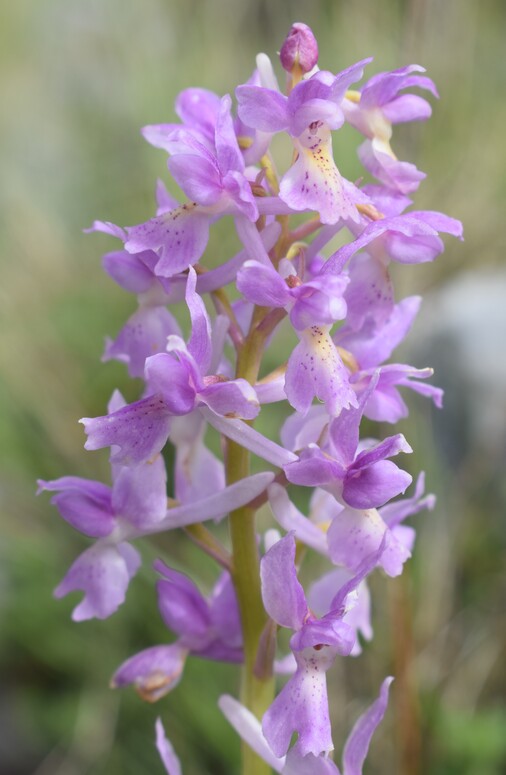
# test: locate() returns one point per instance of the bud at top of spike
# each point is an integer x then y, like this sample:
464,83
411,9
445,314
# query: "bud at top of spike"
300,49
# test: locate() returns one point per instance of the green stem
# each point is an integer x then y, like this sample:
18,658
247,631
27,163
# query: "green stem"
256,693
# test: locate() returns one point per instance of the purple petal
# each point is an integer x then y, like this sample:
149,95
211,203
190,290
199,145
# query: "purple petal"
315,369
106,227
319,301
198,176
140,430
140,493
252,241
345,78
389,447
394,513
103,573
383,87
224,611
84,504
183,608
162,135
355,536
407,107
197,472
358,618
249,438
340,602
374,343
344,430
261,284
370,293
439,222
214,506
238,189
173,379
313,468
144,334
291,519
386,405
154,671
227,150
273,205
329,631
357,745
235,397
261,108
308,765
302,707
373,486
309,103
297,431
400,175
128,271
313,182
198,108
166,751
180,238
386,200
271,391
283,596
199,344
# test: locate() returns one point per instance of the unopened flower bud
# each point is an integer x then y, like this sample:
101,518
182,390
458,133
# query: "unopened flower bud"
300,49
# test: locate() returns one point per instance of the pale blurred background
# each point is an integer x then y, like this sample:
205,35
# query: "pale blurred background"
78,80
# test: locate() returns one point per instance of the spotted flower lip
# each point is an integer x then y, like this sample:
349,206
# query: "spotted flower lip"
315,370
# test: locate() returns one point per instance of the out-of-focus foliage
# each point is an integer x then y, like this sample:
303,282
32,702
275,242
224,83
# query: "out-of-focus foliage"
78,79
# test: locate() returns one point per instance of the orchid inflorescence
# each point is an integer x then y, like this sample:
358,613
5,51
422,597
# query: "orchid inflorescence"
342,310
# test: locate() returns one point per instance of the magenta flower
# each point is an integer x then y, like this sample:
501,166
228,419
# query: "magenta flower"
179,384
209,628
308,114
215,183
138,500
302,705
360,477
355,749
377,107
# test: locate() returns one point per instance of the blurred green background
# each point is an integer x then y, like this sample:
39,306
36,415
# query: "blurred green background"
78,79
